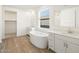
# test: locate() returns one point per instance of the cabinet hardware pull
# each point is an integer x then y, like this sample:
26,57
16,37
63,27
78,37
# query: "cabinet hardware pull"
66,45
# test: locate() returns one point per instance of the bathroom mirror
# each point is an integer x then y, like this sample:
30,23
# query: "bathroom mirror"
66,18
44,18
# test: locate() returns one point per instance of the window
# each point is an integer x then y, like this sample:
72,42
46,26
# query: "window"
44,18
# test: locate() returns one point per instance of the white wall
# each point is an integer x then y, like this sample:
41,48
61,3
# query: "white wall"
30,18
34,20
54,17
51,16
25,19
1,24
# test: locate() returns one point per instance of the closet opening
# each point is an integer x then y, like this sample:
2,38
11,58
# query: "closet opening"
10,24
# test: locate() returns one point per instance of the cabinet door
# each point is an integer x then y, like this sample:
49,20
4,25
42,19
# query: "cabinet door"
51,41
59,45
51,44
67,17
72,48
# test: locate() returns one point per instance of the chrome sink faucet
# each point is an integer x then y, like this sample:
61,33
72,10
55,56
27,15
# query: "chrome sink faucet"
70,30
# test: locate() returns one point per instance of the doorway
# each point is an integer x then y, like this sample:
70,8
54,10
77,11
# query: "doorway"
10,24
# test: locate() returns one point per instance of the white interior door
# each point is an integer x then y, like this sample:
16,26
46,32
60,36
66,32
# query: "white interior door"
23,21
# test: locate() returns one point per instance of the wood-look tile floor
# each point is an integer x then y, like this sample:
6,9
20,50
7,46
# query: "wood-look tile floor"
10,35
20,45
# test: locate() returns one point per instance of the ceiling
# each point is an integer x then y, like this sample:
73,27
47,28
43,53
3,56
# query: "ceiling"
24,6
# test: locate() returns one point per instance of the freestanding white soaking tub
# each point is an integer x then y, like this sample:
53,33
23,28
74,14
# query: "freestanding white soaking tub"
39,39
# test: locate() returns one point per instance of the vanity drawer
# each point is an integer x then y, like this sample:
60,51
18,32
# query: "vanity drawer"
61,37
51,36
51,39
51,42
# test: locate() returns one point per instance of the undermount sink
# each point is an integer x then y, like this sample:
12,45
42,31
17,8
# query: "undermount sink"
71,33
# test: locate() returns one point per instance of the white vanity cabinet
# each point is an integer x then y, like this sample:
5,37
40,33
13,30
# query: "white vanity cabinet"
51,41
64,44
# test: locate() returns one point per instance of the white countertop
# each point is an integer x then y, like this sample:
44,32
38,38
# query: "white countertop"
73,35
